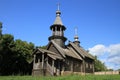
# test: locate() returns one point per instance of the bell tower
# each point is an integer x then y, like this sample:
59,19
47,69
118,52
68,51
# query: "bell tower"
58,30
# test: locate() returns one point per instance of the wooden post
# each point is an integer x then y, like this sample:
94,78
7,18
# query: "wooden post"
84,66
60,31
93,67
34,61
33,65
53,67
47,61
81,67
59,67
72,66
52,32
55,30
63,69
42,61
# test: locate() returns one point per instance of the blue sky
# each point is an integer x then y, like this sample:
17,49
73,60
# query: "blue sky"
98,23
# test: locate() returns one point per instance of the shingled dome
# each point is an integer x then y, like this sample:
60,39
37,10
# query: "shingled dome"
58,20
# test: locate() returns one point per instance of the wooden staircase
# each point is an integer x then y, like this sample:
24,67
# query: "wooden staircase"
50,69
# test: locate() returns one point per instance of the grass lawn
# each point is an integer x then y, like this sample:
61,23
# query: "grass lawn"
70,77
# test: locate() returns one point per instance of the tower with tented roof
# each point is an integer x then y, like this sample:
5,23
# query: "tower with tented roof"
58,30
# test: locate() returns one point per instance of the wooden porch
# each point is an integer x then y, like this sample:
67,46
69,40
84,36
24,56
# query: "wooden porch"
44,65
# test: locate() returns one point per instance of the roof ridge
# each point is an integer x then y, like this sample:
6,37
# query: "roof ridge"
77,49
86,54
59,48
71,49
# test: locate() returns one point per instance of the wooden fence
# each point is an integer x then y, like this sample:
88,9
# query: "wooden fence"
107,72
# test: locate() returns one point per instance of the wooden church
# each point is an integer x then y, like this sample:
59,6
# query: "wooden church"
61,59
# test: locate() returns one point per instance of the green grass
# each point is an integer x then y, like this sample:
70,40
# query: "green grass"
70,77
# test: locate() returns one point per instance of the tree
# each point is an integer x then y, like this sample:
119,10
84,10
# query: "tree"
0,29
15,56
43,47
23,51
6,43
118,69
99,66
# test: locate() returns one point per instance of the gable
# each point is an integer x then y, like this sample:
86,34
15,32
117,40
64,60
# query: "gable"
76,51
81,51
53,49
70,52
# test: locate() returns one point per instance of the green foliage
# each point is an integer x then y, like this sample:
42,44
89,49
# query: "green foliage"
69,77
99,66
43,47
6,43
23,49
0,29
15,56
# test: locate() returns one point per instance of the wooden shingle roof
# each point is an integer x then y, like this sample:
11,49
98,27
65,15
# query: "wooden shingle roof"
71,51
67,51
58,20
60,49
81,51
49,53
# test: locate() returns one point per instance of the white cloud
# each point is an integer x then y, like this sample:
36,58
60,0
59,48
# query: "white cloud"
114,59
114,50
108,54
97,50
